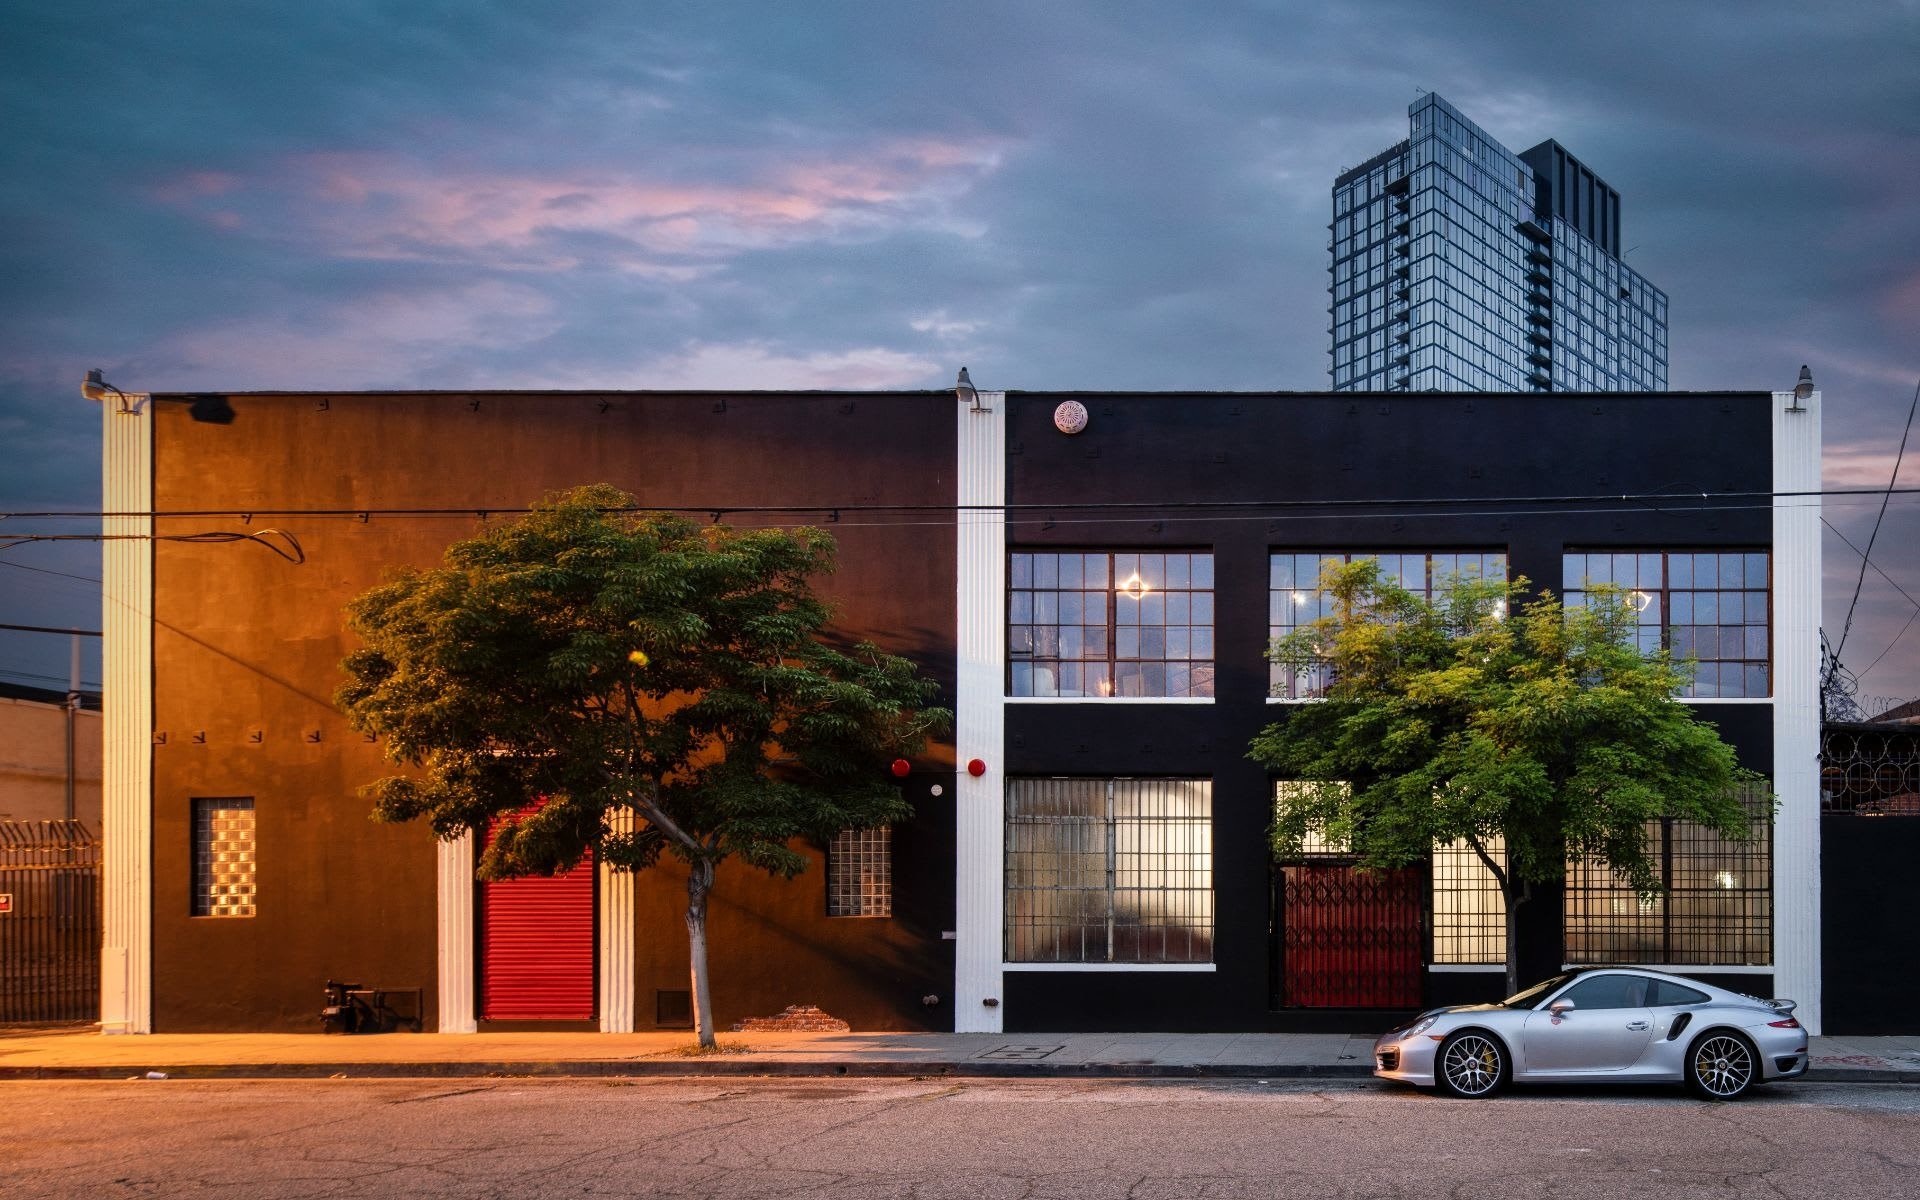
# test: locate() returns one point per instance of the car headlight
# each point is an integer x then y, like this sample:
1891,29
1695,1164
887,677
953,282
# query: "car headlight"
1419,1027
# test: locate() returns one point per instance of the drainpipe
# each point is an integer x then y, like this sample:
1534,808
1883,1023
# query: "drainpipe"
73,710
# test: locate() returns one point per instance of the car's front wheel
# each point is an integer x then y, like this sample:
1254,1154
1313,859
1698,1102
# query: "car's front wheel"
1722,1066
1471,1065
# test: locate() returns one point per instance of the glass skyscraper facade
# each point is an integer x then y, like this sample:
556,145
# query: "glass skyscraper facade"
1461,266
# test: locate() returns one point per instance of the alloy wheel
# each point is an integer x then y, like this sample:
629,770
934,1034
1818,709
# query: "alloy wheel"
1722,1066
1471,1065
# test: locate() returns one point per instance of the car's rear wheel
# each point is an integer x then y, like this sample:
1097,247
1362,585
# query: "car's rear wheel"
1471,1065
1722,1066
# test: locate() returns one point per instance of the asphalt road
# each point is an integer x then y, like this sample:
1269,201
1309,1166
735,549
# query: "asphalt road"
982,1140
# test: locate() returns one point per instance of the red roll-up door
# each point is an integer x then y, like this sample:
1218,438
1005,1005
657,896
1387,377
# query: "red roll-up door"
536,947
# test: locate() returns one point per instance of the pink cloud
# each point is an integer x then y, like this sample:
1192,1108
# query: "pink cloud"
385,207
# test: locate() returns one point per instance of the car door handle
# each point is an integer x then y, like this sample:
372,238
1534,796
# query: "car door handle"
1639,1025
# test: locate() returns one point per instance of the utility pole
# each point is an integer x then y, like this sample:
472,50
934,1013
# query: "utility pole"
73,714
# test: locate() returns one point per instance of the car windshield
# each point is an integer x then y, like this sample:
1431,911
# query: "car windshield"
1526,998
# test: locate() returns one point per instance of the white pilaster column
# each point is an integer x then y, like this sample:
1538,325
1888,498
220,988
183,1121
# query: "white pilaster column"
616,938
1796,704
979,722
454,865
126,623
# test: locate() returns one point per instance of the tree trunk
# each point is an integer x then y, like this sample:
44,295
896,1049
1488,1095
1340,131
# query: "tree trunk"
699,883
1515,894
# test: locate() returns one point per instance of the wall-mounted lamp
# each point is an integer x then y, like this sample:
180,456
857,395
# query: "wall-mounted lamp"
1802,389
966,393
209,408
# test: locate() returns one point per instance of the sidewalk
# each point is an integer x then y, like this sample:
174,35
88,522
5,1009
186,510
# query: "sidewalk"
88,1055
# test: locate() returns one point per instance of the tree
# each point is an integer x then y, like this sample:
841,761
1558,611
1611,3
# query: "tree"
591,659
1549,730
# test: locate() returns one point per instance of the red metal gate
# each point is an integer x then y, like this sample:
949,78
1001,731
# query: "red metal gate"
537,947
1351,939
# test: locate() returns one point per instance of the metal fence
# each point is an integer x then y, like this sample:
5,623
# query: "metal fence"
1870,770
49,922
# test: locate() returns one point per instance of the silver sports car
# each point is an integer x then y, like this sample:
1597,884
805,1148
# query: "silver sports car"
1600,1023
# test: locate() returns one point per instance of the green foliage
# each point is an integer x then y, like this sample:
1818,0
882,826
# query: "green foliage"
1455,719
602,659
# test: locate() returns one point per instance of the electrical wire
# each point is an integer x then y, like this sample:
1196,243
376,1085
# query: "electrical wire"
1157,506
1867,554
291,551
46,571
51,629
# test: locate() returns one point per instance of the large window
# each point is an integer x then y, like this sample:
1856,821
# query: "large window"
1711,607
1469,914
1103,623
1295,597
1717,908
223,857
1109,871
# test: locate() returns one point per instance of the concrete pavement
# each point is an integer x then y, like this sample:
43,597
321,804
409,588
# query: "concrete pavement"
89,1055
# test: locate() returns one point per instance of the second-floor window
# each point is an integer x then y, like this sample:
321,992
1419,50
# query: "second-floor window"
1295,597
1093,624
1710,607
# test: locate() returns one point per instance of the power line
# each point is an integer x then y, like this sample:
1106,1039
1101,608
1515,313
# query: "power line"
1867,554
51,629
47,571
721,510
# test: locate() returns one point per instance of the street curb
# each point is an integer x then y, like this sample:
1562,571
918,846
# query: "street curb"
696,1068
693,1068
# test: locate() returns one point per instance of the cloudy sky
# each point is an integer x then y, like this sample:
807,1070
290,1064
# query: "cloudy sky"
356,194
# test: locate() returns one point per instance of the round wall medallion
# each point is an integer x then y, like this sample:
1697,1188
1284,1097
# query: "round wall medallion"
1070,416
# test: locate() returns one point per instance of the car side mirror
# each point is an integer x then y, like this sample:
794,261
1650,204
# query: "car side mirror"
1560,1008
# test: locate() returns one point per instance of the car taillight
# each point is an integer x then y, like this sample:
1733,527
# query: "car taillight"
1788,1023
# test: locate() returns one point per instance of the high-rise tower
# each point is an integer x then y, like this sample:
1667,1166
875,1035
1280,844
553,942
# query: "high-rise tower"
1459,265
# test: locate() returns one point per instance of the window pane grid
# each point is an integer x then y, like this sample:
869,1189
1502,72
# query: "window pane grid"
1109,871
1295,597
1715,608
1469,915
860,873
223,858
1717,908
1092,624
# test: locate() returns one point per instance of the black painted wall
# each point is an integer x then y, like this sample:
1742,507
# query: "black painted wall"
1262,451
1870,941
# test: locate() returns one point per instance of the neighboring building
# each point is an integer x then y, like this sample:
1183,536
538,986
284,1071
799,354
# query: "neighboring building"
1460,266
1097,604
35,784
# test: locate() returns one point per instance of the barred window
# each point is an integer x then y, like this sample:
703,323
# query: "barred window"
1469,914
1713,608
223,857
1109,871
1109,623
1717,909
860,873
1295,597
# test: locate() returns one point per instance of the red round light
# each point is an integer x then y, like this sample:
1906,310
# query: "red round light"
976,767
900,768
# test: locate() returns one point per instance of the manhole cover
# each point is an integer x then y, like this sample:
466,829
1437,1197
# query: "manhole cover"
1019,1053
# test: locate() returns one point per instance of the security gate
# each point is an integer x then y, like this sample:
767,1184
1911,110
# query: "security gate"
1347,938
49,922
537,947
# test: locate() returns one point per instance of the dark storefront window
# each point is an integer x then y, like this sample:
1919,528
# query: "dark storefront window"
1716,909
1109,871
1294,596
1711,607
1110,623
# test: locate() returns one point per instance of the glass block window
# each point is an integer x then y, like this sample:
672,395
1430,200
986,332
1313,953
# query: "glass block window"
1710,607
1105,623
1717,908
860,873
1109,871
223,857
1294,596
1469,915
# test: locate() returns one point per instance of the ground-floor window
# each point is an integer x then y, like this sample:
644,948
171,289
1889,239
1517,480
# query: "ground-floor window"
1469,914
223,857
860,873
1109,871
1716,909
